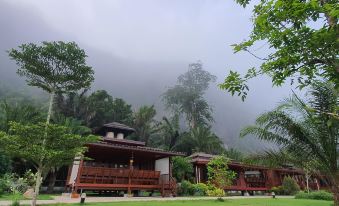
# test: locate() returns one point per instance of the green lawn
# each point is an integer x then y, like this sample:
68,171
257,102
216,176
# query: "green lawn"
238,202
20,197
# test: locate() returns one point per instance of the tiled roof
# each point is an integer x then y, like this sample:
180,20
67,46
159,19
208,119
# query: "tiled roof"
138,148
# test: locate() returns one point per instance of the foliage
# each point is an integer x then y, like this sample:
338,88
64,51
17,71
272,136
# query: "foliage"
200,189
94,110
21,112
234,154
74,126
302,41
44,145
169,133
182,168
218,174
215,192
279,190
290,186
53,66
201,139
15,203
144,123
307,130
186,188
187,96
316,195
5,163
60,148
12,183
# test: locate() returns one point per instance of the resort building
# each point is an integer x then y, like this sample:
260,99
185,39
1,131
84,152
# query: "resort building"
116,164
251,178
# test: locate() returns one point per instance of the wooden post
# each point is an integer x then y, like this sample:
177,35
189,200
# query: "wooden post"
130,174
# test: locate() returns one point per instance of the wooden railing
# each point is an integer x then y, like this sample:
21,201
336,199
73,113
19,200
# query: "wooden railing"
168,185
103,175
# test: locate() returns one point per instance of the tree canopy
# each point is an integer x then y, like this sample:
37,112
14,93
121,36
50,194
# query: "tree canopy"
302,37
30,142
53,66
187,96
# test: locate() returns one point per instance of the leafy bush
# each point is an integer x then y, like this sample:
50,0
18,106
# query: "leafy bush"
218,172
215,192
200,189
278,190
317,195
186,188
182,168
11,183
290,186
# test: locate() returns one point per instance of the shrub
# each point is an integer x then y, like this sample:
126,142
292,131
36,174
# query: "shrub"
186,188
11,183
15,203
182,168
278,190
200,189
290,186
317,195
216,192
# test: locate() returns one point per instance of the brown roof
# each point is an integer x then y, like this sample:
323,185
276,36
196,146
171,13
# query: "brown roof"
123,141
145,149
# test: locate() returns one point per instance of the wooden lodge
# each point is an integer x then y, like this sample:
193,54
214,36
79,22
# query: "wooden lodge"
250,178
118,164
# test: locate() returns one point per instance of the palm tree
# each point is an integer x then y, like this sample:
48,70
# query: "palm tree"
201,139
144,123
307,130
169,133
18,112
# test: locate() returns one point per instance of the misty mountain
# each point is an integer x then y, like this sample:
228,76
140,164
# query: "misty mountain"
140,79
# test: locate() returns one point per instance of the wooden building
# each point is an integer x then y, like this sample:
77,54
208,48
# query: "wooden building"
250,178
118,164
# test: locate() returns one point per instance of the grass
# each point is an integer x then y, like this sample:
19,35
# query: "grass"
235,202
20,197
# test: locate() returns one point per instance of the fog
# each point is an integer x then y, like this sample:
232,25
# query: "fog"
138,48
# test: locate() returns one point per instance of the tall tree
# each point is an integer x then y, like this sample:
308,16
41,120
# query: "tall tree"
187,96
144,123
201,139
30,142
303,41
55,67
307,130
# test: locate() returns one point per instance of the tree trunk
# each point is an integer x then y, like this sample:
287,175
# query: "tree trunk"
307,183
51,182
50,107
335,189
336,195
37,186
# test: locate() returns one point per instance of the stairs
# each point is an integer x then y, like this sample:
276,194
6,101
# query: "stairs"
168,187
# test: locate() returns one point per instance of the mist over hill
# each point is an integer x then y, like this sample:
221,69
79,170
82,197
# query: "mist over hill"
138,50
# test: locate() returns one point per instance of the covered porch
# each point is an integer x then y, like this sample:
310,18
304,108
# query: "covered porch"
123,165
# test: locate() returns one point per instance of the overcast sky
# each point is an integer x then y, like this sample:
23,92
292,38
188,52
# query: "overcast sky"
139,47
